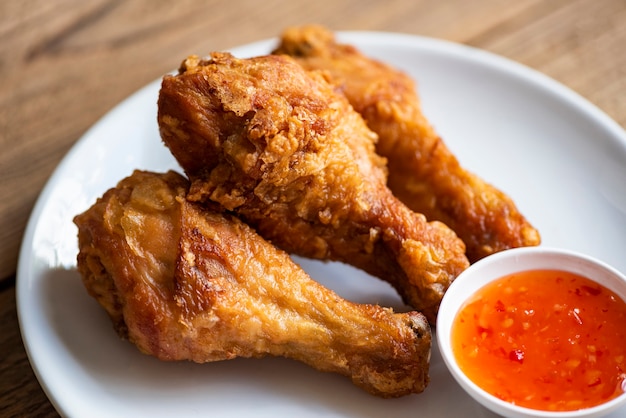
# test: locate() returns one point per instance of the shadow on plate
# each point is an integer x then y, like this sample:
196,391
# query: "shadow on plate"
117,372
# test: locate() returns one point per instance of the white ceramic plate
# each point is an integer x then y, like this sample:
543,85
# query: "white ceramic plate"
559,157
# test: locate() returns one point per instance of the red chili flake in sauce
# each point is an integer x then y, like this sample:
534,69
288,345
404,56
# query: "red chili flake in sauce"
544,339
517,355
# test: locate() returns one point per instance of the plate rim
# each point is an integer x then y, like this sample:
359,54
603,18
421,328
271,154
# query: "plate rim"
360,38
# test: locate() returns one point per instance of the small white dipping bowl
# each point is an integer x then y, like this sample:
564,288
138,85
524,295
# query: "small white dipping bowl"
502,264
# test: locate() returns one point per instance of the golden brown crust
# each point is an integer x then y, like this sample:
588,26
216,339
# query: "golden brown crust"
423,172
281,148
186,283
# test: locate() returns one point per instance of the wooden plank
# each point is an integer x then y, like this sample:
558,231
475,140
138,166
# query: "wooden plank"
63,66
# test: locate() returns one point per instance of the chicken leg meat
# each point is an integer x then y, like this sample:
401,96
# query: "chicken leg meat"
183,282
277,145
423,172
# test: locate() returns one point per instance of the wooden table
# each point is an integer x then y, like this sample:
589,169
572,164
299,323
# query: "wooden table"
64,64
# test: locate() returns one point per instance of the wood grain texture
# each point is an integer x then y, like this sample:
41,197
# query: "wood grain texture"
64,64
20,394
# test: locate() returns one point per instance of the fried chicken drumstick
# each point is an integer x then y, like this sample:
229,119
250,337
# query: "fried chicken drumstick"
277,145
423,172
186,283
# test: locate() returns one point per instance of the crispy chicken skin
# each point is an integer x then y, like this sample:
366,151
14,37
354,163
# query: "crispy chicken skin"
423,172
183,282
278,146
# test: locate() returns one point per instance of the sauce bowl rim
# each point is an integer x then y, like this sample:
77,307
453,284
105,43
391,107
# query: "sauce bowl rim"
506,262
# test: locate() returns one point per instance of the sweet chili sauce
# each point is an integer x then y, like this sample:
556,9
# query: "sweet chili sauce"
544,339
